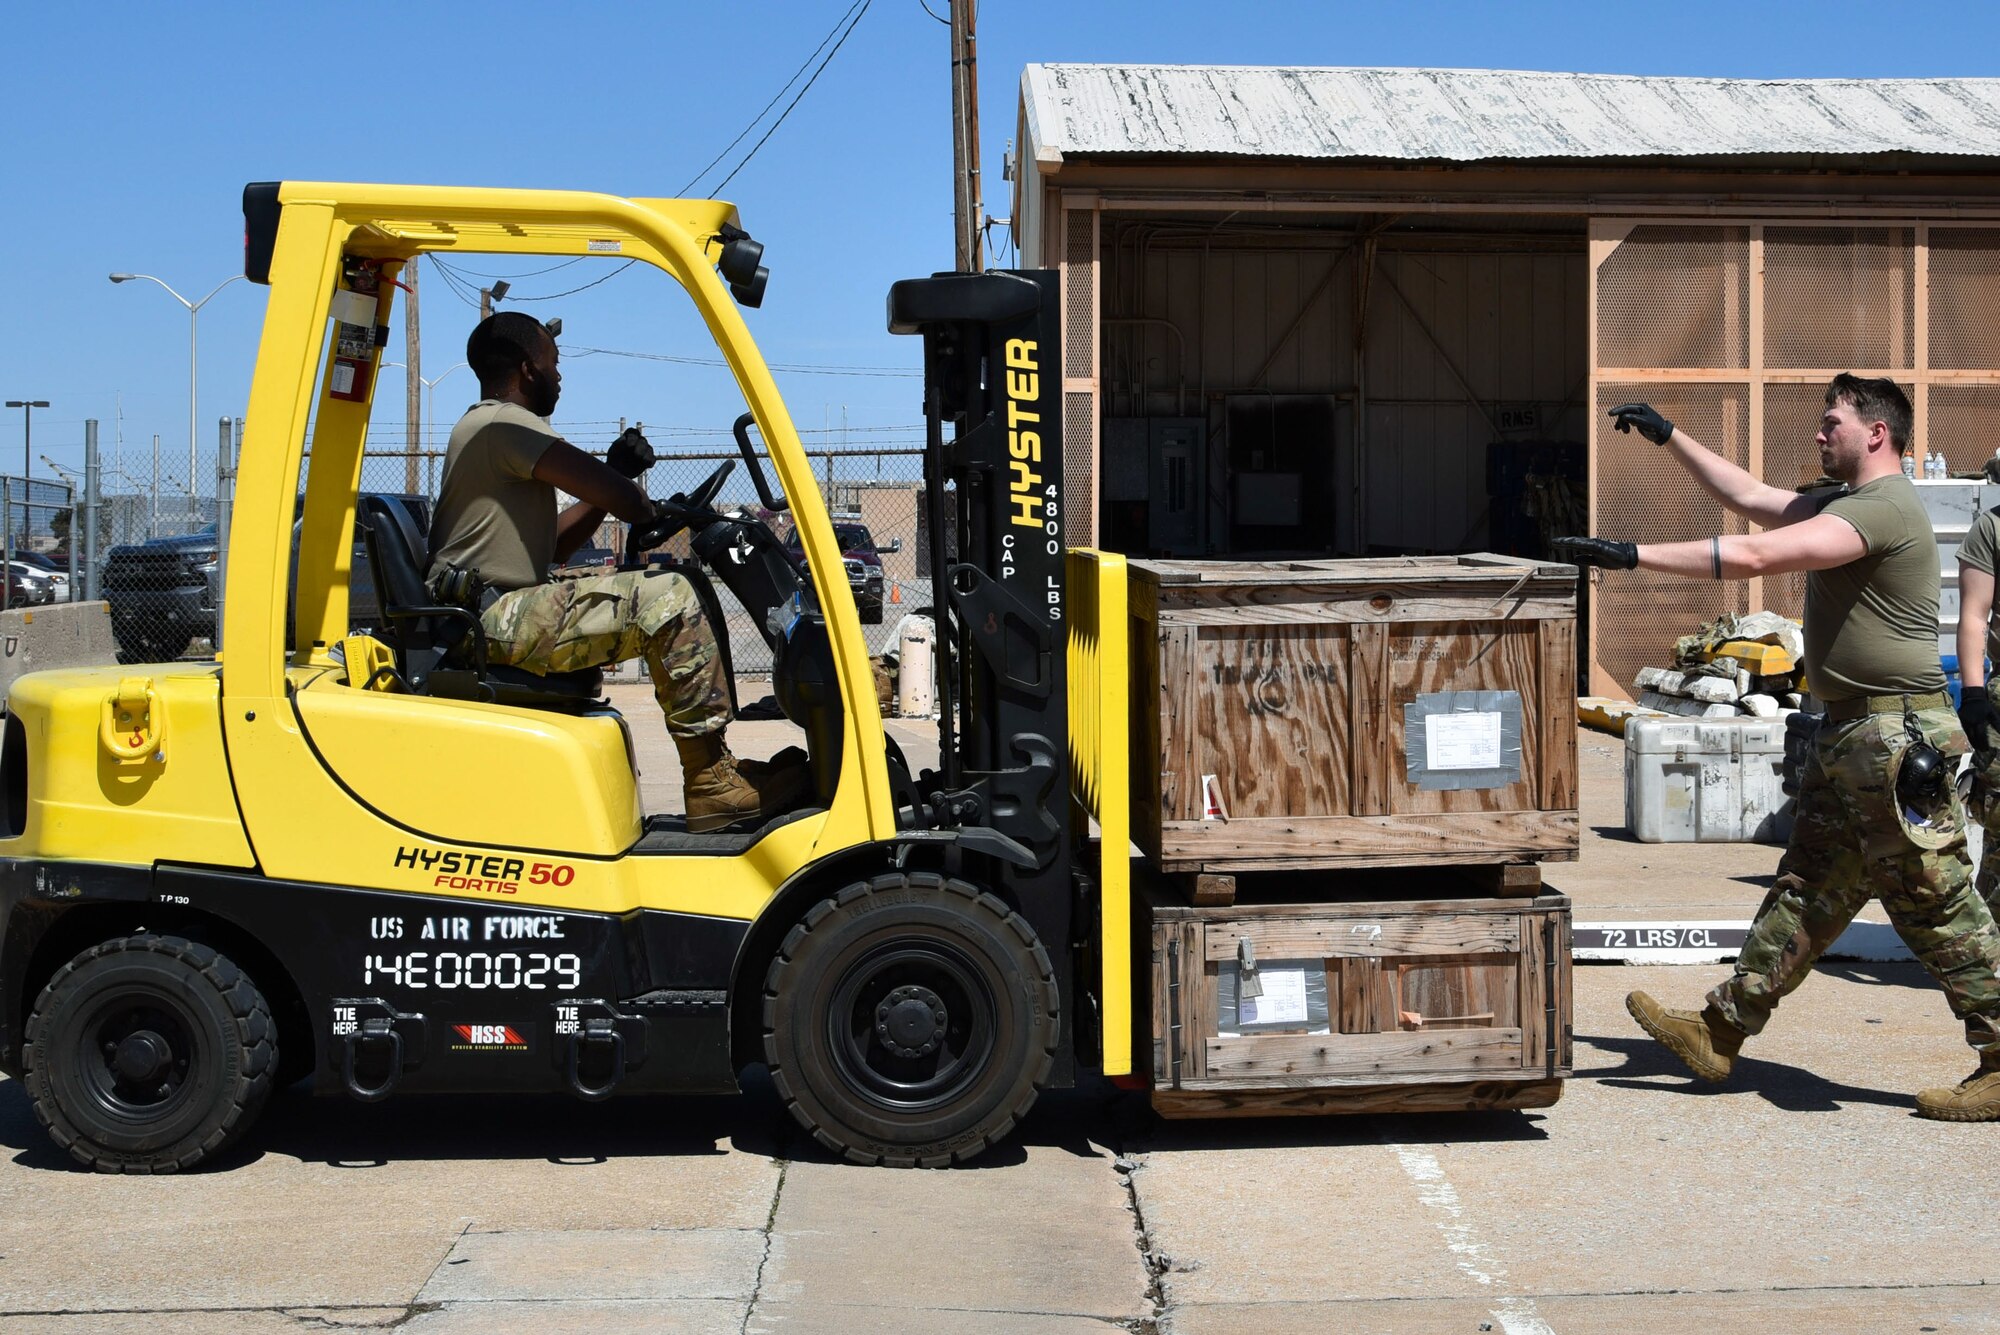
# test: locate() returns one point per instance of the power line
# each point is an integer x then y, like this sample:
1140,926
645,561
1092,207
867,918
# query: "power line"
795,101
573,291
793,368
765,110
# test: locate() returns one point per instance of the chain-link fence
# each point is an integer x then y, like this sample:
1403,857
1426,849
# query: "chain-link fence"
875,496
34,533
165,542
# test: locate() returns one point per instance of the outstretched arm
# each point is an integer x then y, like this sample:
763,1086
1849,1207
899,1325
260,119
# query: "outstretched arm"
1734,486
1819,543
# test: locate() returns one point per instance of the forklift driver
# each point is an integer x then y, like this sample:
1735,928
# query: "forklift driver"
497,518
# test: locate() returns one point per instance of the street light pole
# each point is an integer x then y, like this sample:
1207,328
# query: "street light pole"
27,407
430,403
194,312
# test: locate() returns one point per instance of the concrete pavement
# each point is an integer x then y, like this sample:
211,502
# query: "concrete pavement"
1803,1194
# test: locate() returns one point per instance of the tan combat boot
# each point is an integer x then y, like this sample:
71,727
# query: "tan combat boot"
718,794
1703,1039
1974,1099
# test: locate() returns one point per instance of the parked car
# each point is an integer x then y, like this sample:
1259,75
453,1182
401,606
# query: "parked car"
589,561
162,592
29,585
863,560
55,567
23,590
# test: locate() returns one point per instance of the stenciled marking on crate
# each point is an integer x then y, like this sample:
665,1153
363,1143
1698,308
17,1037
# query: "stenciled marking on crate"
1463,739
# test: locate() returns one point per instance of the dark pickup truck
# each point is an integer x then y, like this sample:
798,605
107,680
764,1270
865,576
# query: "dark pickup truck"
863,560
162,592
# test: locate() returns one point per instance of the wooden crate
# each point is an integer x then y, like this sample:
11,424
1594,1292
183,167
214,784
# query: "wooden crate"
1430,1005
1271,700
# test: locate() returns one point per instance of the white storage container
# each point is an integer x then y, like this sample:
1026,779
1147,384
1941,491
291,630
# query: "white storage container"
1709,780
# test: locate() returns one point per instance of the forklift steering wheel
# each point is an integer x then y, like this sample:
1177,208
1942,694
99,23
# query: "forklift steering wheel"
703,496
693,508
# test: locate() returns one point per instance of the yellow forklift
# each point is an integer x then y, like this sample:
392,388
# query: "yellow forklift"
378,862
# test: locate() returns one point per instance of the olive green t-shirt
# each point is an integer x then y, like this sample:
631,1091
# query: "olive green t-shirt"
1980,550
1871,625
492,515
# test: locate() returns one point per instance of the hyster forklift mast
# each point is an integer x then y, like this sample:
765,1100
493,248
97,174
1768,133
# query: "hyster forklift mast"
993,492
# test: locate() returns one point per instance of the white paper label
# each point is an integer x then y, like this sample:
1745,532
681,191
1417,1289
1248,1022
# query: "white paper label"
1283,1002
1462,741
342,378
604,247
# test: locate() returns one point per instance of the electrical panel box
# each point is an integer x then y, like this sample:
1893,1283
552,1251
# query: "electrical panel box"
1179,498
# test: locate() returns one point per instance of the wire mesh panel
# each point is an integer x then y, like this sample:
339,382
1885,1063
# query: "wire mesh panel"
1964,425
1079,275
1964,295
1675,296
1644,496
1837,297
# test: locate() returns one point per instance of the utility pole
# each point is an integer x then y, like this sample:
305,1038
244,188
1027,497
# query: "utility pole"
968,207
93,483
413,382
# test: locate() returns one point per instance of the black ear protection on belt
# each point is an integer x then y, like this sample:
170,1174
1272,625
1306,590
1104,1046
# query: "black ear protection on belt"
1921,778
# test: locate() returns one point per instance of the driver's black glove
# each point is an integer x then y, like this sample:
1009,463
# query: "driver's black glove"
1642,415
668,519
1596,552
631,454
1977,716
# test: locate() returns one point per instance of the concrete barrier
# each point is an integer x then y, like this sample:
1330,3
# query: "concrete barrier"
59,635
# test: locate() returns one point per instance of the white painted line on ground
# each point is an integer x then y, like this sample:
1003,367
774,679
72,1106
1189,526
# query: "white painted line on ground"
1716,942
1515,1312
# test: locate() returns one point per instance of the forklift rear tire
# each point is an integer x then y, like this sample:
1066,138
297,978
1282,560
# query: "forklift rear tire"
149,1054
910,1020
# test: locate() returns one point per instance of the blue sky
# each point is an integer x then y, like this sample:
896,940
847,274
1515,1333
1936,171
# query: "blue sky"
132,129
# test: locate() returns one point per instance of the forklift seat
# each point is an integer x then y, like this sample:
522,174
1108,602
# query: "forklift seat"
441,650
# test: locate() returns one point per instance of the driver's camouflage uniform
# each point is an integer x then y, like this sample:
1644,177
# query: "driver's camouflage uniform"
495,517
604,619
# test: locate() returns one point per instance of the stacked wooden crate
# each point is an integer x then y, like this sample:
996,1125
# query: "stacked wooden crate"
1297,722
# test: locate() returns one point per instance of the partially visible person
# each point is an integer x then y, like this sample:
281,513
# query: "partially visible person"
1979,642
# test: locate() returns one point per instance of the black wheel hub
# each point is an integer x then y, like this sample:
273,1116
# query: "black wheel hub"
911,1021
146,1051
141,1058
912,1024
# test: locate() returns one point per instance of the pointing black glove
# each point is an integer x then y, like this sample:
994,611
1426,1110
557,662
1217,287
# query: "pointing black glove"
1977,716
631,454
1642,415
1596,552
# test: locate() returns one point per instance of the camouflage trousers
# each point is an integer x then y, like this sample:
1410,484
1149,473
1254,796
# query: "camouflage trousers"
1986,809
585,623
1850,844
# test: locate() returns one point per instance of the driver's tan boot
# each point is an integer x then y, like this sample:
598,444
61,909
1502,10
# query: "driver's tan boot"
718,794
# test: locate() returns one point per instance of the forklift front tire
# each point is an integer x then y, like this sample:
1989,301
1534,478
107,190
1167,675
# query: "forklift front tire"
149,1054
910,1020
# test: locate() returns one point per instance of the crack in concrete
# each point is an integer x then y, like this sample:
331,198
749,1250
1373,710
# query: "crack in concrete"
770,1228
1127,1169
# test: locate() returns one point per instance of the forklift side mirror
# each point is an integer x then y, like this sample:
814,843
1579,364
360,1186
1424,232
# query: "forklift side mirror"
751,294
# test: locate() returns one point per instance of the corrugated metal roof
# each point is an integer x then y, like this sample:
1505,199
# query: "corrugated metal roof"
1473,115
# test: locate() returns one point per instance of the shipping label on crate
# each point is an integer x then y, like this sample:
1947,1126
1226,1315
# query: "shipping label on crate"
1463,739
1291,996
